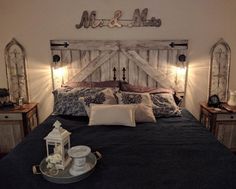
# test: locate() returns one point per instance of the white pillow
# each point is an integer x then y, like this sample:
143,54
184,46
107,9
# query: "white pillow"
101,114
144,113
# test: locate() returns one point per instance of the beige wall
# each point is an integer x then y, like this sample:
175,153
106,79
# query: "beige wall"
34,22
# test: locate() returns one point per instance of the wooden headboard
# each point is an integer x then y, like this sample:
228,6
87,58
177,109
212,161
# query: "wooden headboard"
148,63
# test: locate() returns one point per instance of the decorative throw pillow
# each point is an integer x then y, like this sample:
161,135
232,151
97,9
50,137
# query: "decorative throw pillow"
164,105
105,96
112,115
66,101
134,98
140,89
144,113
101,84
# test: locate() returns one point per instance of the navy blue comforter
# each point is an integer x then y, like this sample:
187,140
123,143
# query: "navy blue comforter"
172,153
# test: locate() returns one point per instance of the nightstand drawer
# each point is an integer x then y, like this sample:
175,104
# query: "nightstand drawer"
10,116
226,117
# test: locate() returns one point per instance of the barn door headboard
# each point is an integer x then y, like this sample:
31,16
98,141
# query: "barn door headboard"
148,63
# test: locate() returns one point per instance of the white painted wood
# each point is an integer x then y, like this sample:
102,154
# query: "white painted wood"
153,61
124,63
171,66
86,45
93,65
132,71
76,64
142,76
143,64
116,45
163,62
57,79
113,62
219,70
96,75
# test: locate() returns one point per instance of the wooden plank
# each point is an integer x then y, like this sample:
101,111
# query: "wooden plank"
143,64
114,44
56,77
162,62
181,72
85,59
142,76
87,45
66,61
93,65
75,64
153,61
133,71
113,62
171,67
96,75
124,63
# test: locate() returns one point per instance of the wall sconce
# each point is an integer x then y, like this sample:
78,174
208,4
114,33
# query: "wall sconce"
182,59
56,58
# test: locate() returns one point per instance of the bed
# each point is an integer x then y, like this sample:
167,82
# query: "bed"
173,152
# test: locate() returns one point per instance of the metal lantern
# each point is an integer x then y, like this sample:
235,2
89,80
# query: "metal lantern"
58,142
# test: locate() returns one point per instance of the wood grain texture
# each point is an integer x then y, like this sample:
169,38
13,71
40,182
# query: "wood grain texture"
147,63
143,64
93,65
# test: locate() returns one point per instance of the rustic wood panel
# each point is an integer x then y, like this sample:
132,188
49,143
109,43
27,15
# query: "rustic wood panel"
142,76
153,61
95,63
57,79
96,75
143,64
116,45
219,70
76,63
15,60
147,63
124,63
114,62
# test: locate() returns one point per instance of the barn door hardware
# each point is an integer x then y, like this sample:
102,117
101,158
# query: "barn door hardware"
178,44
65,44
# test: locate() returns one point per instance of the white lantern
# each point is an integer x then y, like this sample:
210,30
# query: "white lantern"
58,142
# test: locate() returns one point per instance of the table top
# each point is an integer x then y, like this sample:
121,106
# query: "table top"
17,109
225,108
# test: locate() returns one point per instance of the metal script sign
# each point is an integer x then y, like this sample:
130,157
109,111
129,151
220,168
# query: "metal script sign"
139,20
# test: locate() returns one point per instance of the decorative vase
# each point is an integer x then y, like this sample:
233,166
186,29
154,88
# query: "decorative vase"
232,98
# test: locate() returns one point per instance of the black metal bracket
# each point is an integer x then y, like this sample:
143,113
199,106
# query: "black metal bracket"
65,44
123,70
114,76
180,44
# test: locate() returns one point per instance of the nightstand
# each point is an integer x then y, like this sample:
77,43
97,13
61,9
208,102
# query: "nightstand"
221,123
15,124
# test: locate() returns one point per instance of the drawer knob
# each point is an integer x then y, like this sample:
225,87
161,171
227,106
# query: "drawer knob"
6,117
232,117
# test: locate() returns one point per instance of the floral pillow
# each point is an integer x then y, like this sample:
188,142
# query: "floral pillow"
105,96
67,102
164,105
134,98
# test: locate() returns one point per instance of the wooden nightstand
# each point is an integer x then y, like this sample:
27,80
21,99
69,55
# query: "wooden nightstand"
15,124
221,123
